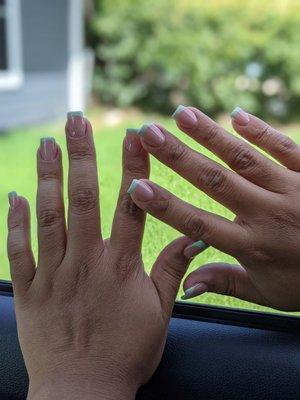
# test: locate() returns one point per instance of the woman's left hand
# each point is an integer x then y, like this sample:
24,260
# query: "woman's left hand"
264,196
91,323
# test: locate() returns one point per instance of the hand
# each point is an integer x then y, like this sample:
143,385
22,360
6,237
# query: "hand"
91,322
264,196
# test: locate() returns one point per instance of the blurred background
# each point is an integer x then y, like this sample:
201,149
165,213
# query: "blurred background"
125,62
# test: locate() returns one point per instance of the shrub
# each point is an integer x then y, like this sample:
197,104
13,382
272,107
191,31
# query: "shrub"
213,54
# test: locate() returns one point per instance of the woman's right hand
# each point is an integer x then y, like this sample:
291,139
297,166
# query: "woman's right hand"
264,196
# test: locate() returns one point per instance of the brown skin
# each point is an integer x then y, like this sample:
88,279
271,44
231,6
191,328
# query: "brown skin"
91,323
264,196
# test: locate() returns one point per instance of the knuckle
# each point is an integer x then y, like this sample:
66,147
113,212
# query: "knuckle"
162,206
177,153
83,200
262,134
214,179
284,145
242,159
82,150
49,217
195,227
48,174
128,207
16,250
212,133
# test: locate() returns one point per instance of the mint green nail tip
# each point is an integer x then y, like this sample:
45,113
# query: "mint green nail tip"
143,129
189,293
178,111
199,244
12,194
235,112
133,131
133,186
47,139
72,114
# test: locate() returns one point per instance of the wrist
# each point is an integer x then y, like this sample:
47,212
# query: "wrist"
81,387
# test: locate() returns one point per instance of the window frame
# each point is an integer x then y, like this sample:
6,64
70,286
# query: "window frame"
13,77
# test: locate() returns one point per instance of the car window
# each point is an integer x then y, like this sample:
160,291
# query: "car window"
127,62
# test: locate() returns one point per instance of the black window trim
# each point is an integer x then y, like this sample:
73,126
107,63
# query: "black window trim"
218,314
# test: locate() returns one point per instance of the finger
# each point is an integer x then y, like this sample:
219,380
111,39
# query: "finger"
223,185
278,145
238,155
195,223
84,213
129,220
22,265
221,278
168,271
50,206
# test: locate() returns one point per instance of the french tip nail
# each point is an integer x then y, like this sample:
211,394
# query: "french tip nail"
72,114
144,128
235,112
178,111
188,294
12,197
13,193
199,244
194,291
133,186
133,131
47,139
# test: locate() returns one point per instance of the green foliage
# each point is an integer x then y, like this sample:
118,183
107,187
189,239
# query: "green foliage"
213,54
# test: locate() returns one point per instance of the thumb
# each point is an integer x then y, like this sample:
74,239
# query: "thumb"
169,269
221,278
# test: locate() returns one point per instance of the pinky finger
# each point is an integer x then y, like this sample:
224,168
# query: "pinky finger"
22,264
221,278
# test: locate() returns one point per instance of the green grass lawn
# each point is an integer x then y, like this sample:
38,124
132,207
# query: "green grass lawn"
18,172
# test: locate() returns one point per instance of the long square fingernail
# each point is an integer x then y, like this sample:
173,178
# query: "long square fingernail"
132,141
185,117
13,199
152,135
195,248
240,117
48,149
76,125
194,291
140,191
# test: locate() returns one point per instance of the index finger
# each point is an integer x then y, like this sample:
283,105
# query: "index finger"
238,154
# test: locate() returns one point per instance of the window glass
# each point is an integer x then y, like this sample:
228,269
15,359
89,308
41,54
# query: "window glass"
126,62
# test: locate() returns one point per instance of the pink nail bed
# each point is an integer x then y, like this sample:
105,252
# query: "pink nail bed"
76,125
152,135
240,117
48,149
185,117
140,191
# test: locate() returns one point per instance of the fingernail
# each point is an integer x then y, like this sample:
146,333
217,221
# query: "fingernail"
76,125
240,117
195,248
152,135
48,149
185,117
132,141
13,199
194,291
140,191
